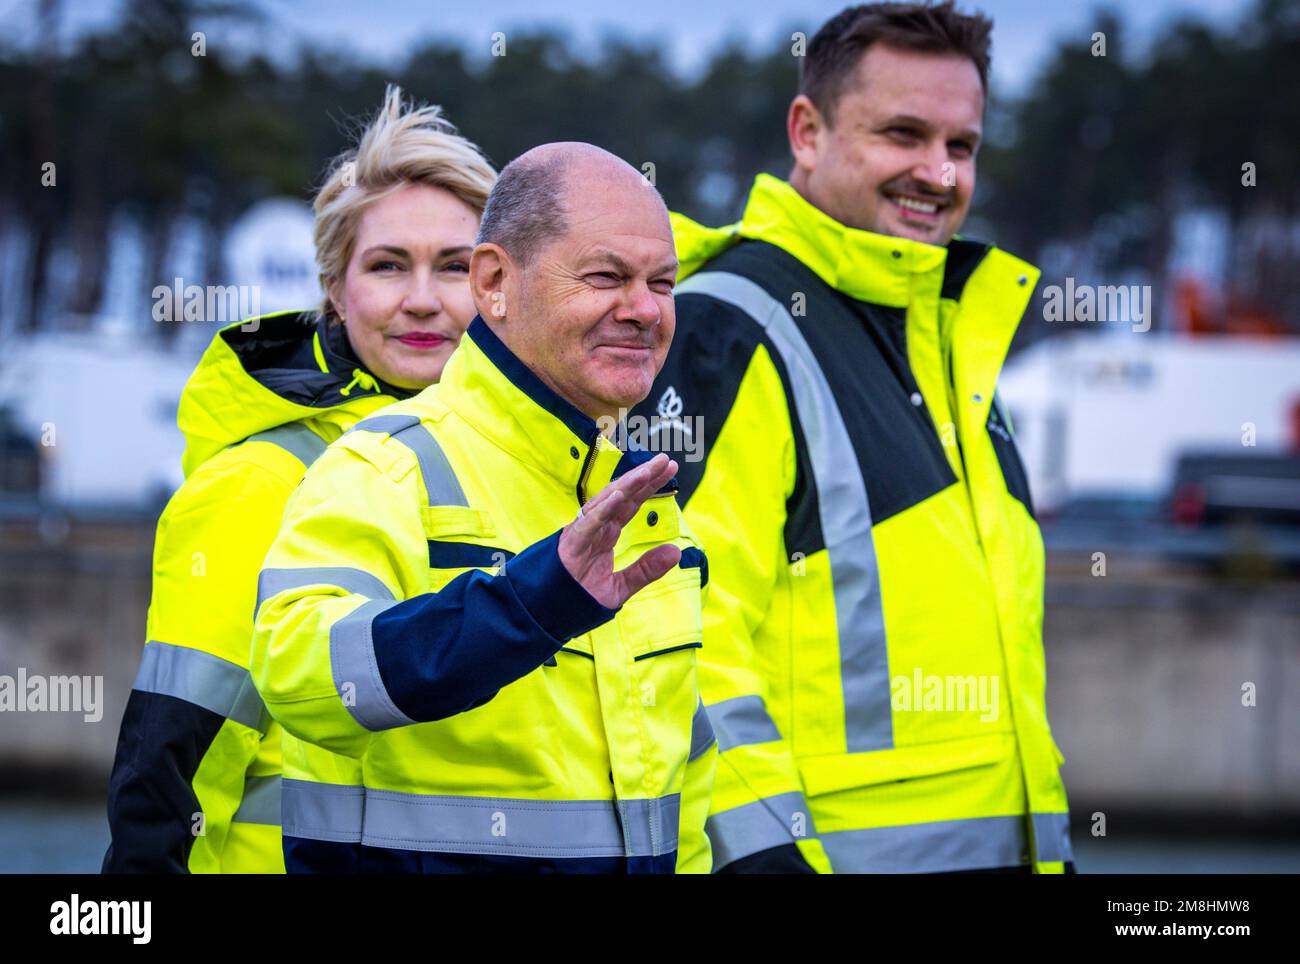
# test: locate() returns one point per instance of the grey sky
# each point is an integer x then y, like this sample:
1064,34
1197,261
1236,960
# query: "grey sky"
380,30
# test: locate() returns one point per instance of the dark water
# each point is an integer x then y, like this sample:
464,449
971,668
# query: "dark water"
59,837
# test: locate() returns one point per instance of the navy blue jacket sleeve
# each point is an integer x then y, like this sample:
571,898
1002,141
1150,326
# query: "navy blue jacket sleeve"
442,653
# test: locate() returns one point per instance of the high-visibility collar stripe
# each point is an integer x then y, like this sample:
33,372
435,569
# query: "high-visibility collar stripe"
211,682
843,509
761,825
976,843
261,801
483,825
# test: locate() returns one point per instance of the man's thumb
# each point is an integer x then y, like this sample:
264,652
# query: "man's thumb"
651,566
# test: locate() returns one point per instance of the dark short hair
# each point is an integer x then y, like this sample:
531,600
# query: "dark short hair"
837,48
525,210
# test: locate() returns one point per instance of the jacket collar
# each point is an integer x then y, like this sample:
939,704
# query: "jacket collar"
490,387
869,267
990,286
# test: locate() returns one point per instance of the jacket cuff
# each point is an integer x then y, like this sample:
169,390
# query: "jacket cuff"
555,600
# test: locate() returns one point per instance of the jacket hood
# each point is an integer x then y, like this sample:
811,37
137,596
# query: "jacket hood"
265,372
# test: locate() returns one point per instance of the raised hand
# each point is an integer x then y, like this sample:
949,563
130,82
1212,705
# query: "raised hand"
587,543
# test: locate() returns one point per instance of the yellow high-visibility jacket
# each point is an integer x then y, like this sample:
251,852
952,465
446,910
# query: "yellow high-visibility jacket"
196,781
873,657
414,615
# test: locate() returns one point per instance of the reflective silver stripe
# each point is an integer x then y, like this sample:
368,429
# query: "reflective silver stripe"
439,480
757,826
701,733
261,801
296,439
742,721
322,811
524,828
650,825
356,672
841,506
273,581
1052,837
974,844
211,682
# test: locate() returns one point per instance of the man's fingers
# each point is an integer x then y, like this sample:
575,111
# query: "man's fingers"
649,475
653,475
651,566
613,507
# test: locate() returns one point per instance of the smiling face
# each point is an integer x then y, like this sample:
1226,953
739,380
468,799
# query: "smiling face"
899,158
592,312
405,296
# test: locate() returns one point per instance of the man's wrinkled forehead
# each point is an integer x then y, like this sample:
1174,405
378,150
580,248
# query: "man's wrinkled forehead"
608,209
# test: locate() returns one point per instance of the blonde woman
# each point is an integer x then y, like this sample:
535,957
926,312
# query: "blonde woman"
196,782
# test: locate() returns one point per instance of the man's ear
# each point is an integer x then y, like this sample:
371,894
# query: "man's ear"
803,123
489,268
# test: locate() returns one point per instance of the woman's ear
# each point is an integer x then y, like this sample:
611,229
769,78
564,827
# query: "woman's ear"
334,290
489,267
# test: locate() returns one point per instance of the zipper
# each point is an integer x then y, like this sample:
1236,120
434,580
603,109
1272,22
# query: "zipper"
586,468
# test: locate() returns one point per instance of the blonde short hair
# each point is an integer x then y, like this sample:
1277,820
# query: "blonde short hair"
403,144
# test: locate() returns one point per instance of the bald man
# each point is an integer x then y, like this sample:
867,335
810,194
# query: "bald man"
479,595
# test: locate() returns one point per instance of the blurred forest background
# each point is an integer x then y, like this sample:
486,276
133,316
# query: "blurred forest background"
1086,173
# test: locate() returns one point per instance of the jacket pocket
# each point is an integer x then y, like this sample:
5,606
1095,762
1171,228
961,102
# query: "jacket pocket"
460,538
663,617
831,773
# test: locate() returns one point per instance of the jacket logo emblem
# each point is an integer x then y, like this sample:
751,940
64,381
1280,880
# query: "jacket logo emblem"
670,403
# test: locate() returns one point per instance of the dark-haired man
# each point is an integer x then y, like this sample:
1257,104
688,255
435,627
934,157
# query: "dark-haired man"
873,660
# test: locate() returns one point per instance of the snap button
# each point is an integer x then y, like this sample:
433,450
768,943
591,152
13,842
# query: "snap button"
1022,280
916,399
896,254
977,398
652,518
573,450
